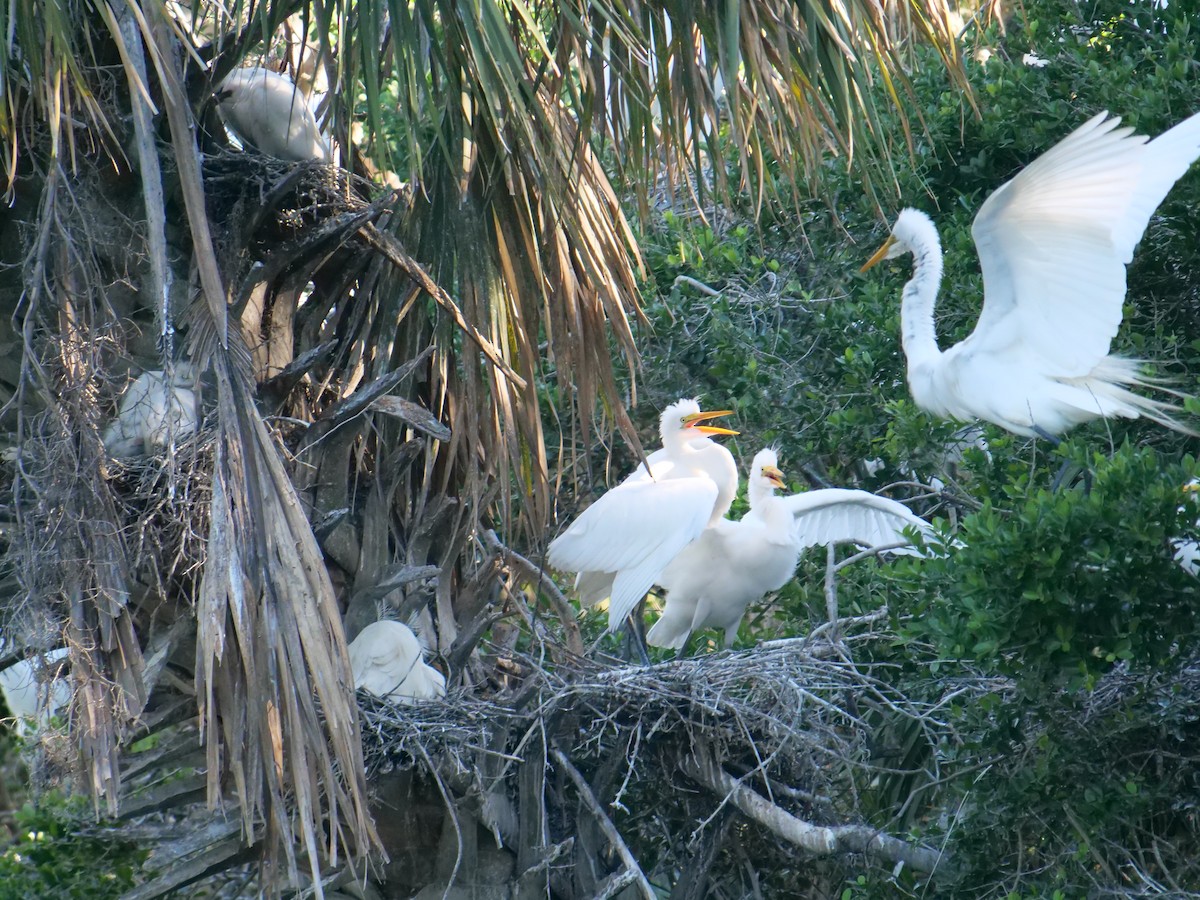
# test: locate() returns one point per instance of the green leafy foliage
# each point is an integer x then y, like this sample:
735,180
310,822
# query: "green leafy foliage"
58,855
1062,613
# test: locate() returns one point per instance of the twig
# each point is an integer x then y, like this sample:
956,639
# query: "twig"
698,285
821,840
537,576
606,825
870,551
841,624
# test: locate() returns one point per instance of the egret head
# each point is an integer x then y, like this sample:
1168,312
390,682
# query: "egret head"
765,469
912,229
685,419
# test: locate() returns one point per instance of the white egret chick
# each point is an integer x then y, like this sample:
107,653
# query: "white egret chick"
732,564
153,410
622,542
1053,245
266,109
386,659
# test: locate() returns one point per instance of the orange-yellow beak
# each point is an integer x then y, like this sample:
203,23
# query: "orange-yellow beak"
879,254
691,420
774,476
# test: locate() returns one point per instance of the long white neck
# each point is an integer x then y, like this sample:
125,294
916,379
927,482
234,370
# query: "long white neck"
718,464
758,491
920,295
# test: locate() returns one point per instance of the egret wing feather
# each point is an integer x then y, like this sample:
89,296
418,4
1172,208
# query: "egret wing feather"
1053,243
634,530
841,514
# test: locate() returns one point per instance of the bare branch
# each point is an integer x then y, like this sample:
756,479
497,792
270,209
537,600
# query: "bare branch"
609,829
821,840
537,577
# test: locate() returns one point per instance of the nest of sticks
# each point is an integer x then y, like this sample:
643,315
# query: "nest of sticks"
661,758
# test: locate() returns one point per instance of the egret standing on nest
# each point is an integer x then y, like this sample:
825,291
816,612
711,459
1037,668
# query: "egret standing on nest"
732,564
267,109
622,542
1053,245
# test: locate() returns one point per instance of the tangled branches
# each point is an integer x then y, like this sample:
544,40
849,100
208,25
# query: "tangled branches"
593,759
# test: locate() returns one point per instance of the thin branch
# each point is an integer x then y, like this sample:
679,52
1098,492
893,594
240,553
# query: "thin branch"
537,576
839,625
698,285
870,551
831,602
606,825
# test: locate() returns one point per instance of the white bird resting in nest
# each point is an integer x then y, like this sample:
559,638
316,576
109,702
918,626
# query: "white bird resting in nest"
734,563
621,543
33,688
152,412
268,110
387,661
1053,245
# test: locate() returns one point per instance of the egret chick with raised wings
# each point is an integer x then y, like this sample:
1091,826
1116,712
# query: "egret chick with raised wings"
621,543
1053,245
734,563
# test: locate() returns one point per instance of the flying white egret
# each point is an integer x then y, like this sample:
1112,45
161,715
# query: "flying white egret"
386,659
268,110
732,564
153,409
1053,245
29,697
621,543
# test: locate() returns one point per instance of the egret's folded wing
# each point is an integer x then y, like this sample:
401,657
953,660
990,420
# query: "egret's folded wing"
1054,241
635,530
839,514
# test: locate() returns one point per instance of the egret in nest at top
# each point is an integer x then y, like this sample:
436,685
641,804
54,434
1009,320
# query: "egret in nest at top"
1053,244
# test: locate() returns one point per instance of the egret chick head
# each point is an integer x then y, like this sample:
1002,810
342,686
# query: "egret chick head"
765,476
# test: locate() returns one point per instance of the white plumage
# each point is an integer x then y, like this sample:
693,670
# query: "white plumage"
29,698
1053,245
732,564
153,410
622,542
1187,549
268,110
386,659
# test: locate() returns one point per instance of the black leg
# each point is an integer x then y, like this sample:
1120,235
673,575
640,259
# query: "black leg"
1061,476
1043,433
637,638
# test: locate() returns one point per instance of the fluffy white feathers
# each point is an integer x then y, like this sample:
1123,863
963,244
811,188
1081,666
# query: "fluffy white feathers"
386,659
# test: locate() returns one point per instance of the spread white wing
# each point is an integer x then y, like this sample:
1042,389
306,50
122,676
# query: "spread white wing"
1054,241
840,514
